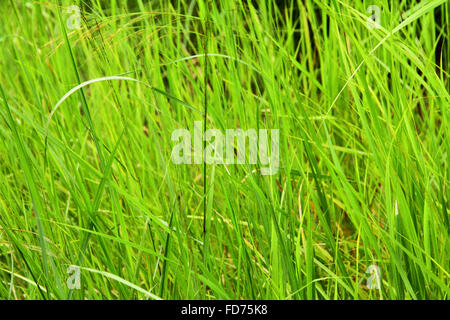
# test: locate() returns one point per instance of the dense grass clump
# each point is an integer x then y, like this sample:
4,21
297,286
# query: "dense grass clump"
86,177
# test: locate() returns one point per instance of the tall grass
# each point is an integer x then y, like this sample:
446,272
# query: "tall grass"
364,149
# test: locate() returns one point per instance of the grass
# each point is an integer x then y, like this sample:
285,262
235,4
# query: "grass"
85,143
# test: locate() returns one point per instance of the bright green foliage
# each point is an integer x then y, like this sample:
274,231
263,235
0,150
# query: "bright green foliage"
364,149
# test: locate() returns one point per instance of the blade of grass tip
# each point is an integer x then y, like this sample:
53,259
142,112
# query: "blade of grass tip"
38,207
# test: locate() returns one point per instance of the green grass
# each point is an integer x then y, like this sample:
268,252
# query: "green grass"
364,150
